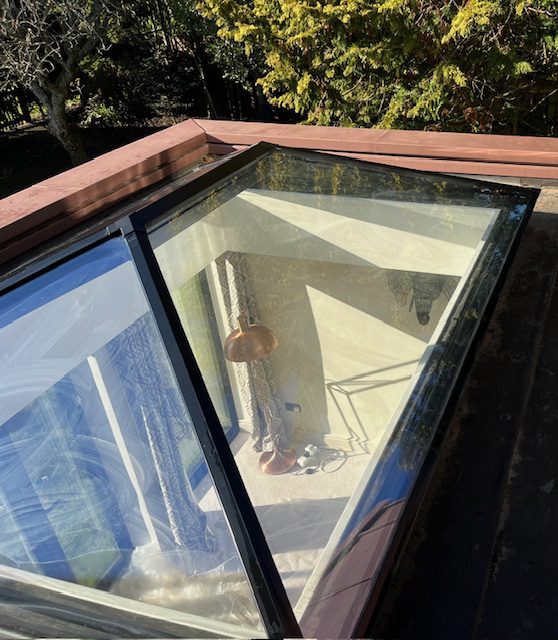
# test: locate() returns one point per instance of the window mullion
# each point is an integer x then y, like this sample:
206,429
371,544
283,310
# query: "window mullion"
275,609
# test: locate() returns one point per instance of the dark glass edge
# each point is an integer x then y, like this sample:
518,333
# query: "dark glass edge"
29,606
451,394
271,597
328,157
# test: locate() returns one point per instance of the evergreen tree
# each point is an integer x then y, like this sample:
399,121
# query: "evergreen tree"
477,65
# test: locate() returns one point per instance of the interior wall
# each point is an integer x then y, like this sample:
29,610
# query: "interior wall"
318,269
406,236
346,351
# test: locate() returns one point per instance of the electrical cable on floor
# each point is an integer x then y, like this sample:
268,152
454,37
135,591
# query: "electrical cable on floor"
315,458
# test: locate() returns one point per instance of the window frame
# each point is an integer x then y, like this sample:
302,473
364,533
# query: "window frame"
131,222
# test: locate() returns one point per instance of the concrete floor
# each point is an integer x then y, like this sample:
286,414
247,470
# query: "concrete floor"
298,511
482,559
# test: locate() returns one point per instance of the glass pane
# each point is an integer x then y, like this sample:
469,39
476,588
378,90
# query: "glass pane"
97,449
345,297
196,313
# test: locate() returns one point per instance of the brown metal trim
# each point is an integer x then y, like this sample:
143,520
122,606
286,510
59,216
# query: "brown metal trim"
427,164
459,166
48,208
423,144
38,213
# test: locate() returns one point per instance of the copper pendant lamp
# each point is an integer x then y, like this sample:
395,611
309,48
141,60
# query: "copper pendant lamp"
250,342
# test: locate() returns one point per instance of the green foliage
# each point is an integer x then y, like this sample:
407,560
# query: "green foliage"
476,65
199,34
165,60
98,114
145,74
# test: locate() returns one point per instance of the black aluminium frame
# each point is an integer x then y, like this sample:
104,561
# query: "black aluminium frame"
276,611
270,594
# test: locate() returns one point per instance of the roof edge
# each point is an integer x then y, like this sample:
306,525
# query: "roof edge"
427,146
38,213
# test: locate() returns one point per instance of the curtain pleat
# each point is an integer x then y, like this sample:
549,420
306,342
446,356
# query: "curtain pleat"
150,387
256,378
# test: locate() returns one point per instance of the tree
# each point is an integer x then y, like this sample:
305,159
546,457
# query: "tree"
43,43
477,65
188,30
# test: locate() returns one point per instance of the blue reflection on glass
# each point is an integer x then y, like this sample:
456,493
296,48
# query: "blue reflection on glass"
91,425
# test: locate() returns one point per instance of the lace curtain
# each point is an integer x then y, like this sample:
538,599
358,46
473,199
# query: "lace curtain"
256,378
151,391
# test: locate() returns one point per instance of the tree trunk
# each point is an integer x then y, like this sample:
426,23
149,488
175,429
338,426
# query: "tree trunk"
212,112
22,99
515,122
59,126
229,99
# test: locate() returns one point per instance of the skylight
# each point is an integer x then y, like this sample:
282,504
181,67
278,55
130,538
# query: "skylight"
328,304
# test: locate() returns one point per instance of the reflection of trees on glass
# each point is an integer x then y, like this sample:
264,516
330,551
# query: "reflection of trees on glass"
420,290
288,171
194,306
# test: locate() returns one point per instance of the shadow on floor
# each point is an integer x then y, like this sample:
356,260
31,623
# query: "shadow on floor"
300,524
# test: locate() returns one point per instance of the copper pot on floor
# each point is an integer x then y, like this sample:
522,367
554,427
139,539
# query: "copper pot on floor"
277,461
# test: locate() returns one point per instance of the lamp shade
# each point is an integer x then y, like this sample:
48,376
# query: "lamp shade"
249,342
